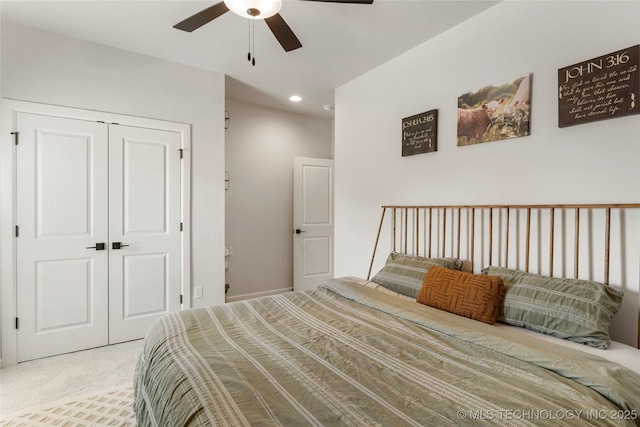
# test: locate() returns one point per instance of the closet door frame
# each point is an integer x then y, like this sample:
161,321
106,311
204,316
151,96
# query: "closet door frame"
9,110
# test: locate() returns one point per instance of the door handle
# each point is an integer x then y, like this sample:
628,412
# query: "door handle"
117,245
97,247
298,231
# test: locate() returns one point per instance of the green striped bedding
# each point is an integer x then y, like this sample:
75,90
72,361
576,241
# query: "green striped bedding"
347,355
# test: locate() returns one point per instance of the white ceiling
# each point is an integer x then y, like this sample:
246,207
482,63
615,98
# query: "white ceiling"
340,41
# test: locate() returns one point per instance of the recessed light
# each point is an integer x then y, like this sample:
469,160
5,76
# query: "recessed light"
295,98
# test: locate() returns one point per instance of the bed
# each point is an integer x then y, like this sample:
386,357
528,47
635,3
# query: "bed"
359,352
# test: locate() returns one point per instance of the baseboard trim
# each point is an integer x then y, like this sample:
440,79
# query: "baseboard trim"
258,294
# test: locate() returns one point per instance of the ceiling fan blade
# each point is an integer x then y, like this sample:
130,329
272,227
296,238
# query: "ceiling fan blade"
203,17
283,32
346,1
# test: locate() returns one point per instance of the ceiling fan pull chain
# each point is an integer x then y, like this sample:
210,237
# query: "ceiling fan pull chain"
249,42
253,41
251,56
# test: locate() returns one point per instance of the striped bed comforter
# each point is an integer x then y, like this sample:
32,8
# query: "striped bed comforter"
347,355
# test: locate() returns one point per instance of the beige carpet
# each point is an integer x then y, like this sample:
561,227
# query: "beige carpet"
111,407
85,388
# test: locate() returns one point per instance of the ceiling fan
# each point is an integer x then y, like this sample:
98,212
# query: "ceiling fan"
254,9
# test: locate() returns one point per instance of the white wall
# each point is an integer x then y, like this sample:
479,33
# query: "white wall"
590,163
47,68
261,144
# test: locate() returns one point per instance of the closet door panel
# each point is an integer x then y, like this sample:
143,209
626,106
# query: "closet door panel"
145,281
146,187
61,199
144,212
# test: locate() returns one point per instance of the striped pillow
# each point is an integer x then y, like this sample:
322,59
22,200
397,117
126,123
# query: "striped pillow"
576,310
377,287
404,273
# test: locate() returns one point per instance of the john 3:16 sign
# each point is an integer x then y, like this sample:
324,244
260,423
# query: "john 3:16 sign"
601,88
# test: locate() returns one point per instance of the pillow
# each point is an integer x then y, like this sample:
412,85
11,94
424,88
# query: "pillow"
377,287
576,310
475,296
404,273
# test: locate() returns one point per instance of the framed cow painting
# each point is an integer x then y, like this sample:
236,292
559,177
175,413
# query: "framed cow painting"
495,112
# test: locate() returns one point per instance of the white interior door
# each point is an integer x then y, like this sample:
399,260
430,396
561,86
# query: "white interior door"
313,222
62,283
145,241
99,251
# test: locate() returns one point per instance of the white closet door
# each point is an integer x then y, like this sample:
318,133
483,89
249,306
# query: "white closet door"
62,284
144,212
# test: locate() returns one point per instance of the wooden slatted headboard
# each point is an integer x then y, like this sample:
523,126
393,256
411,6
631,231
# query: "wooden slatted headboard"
598,242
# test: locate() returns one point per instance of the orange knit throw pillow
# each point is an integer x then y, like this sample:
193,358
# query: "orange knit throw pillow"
476,296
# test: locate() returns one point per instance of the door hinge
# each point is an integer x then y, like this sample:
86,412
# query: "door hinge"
17,323
17,231
181,226
15,136
180,299
181,152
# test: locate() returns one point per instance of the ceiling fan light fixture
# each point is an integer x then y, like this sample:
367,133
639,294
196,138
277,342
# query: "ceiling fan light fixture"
254,9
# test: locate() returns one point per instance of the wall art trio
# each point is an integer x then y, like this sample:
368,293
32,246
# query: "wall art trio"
597,89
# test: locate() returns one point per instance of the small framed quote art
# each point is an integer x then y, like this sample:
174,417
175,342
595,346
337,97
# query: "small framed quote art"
601,88
420,133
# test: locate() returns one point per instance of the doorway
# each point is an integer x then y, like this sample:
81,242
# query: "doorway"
313,222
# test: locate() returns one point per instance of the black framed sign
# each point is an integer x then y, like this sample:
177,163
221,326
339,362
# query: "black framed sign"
601,88
420,133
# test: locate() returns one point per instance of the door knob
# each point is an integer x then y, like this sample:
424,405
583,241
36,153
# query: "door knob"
298,231
117,245
97,247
